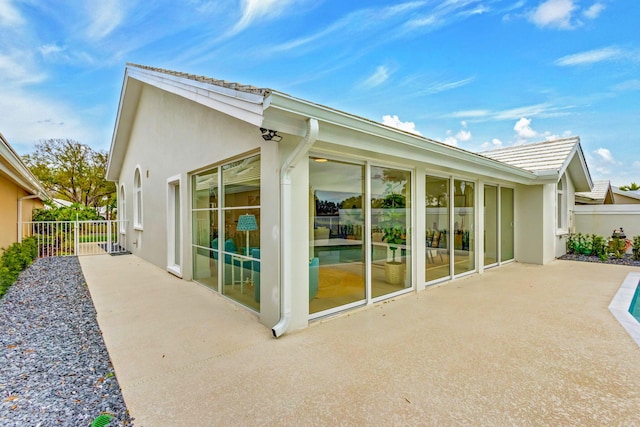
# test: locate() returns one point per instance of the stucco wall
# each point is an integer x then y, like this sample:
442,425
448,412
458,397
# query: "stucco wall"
10,193
8,212
173,136
603,219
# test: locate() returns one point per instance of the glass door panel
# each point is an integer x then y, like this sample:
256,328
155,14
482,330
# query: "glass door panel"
437,229
463,226
490,225
506,224
336,270
390,230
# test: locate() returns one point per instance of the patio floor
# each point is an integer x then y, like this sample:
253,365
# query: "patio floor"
518,345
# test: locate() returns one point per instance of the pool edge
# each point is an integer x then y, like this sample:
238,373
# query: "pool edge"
621,302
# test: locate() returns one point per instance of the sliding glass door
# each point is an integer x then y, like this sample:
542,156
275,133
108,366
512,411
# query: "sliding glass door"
390,230
463,228
490,225
437,251
337,266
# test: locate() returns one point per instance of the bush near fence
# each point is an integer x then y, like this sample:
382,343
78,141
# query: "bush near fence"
15,259
603,248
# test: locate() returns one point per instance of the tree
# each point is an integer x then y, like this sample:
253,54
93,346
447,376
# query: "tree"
72,171
632,187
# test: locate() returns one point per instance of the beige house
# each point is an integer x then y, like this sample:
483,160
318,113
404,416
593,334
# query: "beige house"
296,211
20,193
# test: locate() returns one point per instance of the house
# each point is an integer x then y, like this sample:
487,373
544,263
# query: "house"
606,209
298,211
601,194
20,193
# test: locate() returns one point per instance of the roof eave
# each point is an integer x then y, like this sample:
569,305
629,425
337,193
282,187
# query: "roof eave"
23,177
245,106
280,108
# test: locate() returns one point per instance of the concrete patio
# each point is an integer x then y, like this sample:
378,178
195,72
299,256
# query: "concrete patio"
518,345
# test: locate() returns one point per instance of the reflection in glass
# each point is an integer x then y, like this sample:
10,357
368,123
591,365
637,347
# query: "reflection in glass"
227,249
336,269
463,228
437,228
490,224
390,230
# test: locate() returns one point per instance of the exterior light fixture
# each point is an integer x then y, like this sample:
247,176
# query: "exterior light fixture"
270,135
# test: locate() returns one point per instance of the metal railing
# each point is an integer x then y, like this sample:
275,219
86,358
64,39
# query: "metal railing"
68,238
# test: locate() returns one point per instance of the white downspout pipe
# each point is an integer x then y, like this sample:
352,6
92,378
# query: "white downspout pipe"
285,224
32,196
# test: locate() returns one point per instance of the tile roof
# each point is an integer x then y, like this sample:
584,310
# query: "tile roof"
599,191
541,156
223,83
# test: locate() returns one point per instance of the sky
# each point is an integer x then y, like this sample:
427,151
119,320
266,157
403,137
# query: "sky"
476,74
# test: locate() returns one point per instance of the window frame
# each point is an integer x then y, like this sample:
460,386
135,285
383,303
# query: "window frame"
138,208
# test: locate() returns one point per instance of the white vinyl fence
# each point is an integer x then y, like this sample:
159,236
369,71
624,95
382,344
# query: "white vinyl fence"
67,238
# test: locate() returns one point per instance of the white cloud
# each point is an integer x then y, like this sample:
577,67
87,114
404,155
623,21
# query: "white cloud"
605,155
636,165
445,86
394,121
554,13
594,10
591,56
253,10
451,141
9,15
629,85
377,78
104,17
523,129
493,145
463,135
470,114
28,117
15,69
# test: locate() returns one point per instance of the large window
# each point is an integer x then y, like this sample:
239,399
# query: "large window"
506,224
390,230
137,200
437,228
226,230
562,204
337,268
463,226
490,225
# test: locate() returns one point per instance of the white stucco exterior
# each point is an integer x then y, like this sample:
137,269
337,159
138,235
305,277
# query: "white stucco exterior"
171,127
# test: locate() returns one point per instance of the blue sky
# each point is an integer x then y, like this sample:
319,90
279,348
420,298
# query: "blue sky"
471,73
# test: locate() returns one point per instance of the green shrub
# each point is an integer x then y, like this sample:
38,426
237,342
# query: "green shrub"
15,259
636,248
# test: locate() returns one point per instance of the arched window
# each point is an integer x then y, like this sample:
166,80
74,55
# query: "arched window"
122,209
137,200
561,192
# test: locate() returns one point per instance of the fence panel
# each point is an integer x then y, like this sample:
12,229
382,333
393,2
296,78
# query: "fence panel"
66,238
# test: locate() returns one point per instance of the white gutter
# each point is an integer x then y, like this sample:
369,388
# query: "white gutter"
32,196
286,210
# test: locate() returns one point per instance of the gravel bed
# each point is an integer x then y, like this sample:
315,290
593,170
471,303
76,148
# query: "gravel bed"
627,260
54,366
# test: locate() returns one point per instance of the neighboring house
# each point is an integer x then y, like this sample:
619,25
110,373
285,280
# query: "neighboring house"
297,211
605,209
622,197
20,193
604,193
601,194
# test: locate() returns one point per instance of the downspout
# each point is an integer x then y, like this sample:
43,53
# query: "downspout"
32,196
285,224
